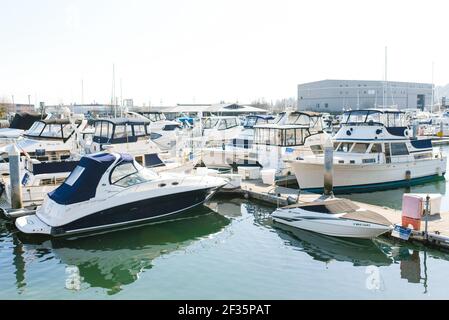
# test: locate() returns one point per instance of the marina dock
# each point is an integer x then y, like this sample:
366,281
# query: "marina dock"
438,225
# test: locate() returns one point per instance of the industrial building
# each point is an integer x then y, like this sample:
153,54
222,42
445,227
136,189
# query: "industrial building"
339,95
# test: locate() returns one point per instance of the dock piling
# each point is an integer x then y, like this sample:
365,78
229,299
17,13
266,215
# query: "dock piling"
328,168
14,169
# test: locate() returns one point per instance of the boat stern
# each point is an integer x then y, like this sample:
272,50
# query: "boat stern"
32,225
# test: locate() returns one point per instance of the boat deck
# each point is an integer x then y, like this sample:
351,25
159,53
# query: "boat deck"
438,225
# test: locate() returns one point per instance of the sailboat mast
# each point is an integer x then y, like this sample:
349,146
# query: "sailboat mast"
385,81
433,88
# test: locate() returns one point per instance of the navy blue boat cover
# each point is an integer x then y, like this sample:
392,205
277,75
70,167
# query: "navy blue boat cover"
85,186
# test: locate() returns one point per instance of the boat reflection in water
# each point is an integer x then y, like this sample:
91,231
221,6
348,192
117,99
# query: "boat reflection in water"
360,252
112,260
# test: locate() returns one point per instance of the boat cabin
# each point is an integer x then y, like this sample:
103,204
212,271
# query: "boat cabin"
121,130
220,123
251,121
297,127
388,118
52,129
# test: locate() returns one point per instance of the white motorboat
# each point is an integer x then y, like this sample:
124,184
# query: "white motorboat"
163,132
108,190
374,149
39,178
133,136
48,140
224,156
333,217
220,129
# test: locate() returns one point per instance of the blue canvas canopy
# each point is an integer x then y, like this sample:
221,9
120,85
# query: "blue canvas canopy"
81,184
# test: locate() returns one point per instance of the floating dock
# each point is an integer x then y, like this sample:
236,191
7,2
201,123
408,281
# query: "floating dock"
438,225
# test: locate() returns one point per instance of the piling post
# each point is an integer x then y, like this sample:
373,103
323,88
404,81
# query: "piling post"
415,129
14,176
427,218
328,168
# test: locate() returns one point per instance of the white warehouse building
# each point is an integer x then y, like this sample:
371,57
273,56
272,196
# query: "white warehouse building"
339,95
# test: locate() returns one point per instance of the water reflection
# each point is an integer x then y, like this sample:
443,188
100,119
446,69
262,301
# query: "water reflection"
115,259
359,252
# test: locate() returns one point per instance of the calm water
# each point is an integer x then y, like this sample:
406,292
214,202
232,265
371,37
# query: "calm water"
230,250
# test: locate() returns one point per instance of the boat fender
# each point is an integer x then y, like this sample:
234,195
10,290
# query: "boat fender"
406,133
408,175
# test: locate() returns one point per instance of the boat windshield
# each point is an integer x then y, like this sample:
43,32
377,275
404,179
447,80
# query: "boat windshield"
250,122
36,129
155,117
387,118
50,130
210,123
129,174
298,119
103,129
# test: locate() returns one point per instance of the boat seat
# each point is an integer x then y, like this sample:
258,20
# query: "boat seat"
367,216
333,206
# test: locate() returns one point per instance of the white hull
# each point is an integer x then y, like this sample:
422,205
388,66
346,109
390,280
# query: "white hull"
338,227
310,175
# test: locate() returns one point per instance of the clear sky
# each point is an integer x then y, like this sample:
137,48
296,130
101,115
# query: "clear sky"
210,50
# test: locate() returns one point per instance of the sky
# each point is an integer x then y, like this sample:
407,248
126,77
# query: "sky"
207,51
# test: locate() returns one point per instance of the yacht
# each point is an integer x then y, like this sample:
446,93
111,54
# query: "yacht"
373,149
48,140
133,136
333,217
108,190
224,156
220,129
289,137
163,132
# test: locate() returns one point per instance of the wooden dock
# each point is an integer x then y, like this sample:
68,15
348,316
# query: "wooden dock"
438,225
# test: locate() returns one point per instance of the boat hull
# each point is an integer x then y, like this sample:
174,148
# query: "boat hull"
344,228
136,212
363,178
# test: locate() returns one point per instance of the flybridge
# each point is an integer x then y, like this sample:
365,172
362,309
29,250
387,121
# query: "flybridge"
388,118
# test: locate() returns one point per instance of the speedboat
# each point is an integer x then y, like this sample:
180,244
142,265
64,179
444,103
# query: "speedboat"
333,217
373,150
108,190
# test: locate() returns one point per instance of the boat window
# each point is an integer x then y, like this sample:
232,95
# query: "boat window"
52,131
336,144
222,125
376,148
317,149
345,146
126,175
299,136
250,122
399,149
76,173
36,129
299,119
139,130
122,131
290,137
374,117
209,123
66,130
360,147
231,123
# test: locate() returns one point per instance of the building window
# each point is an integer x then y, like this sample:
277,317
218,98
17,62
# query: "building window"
317,105
326,105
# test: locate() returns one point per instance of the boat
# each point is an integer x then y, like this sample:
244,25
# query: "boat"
132,135
39,178
48,140
108,190
220,129
224,156
374,149
333,217
163,132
